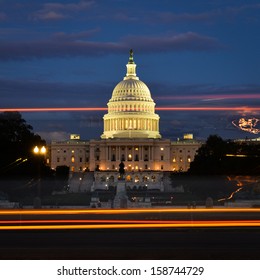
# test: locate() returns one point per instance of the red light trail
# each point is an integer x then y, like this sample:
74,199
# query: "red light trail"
123,211
68,109
76,221
33,223
134,224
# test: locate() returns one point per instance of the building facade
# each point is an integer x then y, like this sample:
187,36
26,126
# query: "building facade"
131,135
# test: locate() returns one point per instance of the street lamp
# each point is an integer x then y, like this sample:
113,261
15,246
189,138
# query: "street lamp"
39,152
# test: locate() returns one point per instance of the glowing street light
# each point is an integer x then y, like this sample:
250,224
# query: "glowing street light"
39,152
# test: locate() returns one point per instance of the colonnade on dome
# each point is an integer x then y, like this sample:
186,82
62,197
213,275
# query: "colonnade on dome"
120,124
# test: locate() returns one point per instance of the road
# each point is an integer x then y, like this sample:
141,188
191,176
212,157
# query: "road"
181,242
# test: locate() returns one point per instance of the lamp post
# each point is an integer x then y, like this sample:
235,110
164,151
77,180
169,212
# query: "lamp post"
39,152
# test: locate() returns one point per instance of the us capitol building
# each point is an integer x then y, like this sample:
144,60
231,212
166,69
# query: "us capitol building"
131,135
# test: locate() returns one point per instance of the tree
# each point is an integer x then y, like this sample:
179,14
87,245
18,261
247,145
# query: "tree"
16,141
217,156
62,177
209,156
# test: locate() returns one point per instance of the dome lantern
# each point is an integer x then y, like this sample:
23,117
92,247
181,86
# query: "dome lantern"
131,67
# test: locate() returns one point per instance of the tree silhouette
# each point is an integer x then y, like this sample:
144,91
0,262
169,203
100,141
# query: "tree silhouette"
16,141
217,156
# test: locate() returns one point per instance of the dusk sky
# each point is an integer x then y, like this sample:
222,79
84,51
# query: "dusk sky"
190,53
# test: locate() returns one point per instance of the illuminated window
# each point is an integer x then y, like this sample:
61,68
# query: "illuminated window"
72,151
162,149
72,159
189,159
174,159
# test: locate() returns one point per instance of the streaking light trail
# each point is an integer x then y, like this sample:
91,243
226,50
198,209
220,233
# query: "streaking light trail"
121,219
168,224
67,109
122,211
76,221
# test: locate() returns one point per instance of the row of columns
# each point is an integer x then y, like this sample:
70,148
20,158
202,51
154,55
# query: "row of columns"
129,123
118,151
135,108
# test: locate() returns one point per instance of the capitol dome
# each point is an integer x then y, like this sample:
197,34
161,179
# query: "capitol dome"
131,89
131,109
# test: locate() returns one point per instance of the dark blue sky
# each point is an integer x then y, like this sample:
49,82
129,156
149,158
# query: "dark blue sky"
73,53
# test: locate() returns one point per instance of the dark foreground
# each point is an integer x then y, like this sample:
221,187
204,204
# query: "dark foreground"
196,243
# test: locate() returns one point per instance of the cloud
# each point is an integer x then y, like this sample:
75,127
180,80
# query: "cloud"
51,15
59,11
75,36
3,16
53,135
121,16
82,5
48,48
187,17
189,41
239,9
207,16
41,94
206,95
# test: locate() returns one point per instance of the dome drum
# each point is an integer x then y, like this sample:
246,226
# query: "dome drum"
131,107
